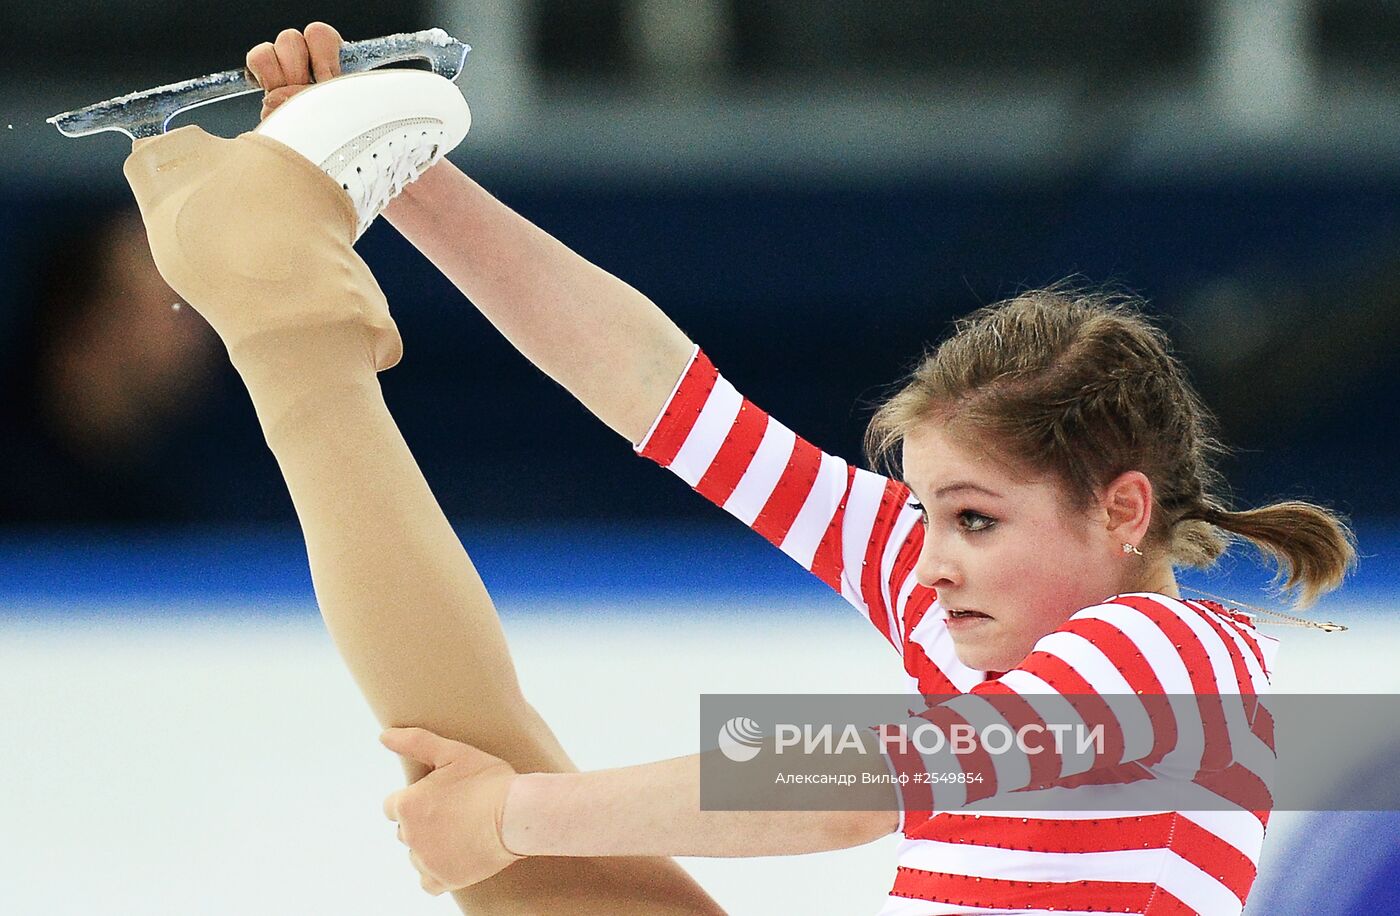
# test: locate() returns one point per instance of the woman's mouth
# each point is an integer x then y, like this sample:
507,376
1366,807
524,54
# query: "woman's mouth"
960,619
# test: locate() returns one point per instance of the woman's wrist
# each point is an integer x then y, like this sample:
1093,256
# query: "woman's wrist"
572,814
524,832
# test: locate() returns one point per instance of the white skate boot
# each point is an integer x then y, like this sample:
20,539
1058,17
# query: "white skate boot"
373,132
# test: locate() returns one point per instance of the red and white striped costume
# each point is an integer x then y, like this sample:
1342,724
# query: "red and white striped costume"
857,532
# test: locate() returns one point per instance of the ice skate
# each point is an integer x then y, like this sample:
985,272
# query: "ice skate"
373,132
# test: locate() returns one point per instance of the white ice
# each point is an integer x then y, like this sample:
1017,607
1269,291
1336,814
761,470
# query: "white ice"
225,764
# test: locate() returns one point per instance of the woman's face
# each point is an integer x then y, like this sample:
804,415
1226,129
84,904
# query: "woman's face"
1012,557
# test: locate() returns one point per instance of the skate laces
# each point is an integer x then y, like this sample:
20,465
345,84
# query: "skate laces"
397,167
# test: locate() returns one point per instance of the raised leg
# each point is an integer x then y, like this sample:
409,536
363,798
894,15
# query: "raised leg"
258,240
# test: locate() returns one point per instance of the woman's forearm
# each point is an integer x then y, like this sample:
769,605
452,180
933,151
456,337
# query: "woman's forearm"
654,809
595,335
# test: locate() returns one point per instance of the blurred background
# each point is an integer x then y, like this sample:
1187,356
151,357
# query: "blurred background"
813,189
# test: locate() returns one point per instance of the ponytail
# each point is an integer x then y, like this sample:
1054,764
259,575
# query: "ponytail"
1312,547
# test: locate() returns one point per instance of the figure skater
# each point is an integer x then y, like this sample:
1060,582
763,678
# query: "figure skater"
1054,468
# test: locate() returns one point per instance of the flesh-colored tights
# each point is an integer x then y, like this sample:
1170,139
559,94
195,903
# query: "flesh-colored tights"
258,240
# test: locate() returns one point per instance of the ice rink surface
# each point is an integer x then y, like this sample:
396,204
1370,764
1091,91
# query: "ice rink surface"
188,759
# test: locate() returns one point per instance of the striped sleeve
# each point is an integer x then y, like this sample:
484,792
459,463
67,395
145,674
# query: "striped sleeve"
851,528
1170,688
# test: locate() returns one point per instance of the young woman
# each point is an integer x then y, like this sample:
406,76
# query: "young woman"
1056,468
1055,471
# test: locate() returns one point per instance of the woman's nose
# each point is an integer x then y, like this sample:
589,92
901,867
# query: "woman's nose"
935,568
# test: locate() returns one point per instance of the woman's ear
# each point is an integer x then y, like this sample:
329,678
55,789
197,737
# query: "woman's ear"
1127,504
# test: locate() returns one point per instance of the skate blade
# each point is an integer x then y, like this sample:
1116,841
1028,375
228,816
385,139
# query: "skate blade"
147,113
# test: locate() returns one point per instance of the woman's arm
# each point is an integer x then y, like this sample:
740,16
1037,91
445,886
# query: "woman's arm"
622,357
473,815
597,336
654,809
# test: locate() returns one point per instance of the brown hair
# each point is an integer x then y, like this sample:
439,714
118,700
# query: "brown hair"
1079,384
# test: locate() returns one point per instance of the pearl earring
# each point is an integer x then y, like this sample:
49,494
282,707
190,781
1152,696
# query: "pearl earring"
1130,548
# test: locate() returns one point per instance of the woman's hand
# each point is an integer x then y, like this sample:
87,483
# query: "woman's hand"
450,819
294,61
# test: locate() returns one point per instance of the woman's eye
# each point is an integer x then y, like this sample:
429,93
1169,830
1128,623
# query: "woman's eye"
975,521
919,508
